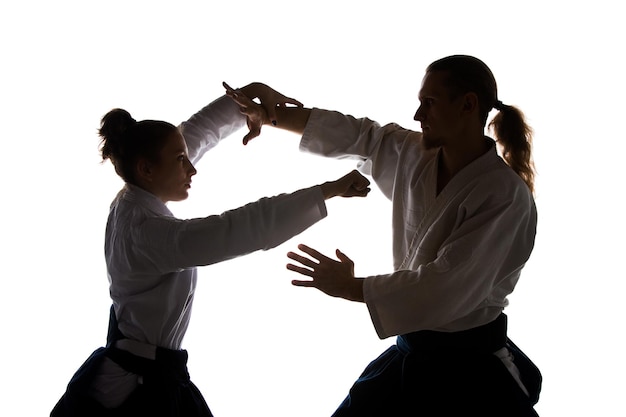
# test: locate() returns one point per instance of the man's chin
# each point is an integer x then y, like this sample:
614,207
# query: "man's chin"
429,144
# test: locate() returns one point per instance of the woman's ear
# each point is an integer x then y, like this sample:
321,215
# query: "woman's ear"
144,170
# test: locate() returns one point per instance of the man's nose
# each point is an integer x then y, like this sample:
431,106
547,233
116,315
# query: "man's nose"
418,117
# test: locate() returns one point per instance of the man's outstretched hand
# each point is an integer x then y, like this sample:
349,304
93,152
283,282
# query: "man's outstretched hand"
335,278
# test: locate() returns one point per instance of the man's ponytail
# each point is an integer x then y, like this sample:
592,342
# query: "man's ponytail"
469,74
515,139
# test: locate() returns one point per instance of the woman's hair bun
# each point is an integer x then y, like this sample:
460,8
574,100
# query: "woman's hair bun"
115,123
112,128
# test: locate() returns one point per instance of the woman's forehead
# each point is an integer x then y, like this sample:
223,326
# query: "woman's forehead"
175,142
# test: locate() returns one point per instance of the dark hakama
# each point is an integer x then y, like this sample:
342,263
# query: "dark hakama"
445,374
165,391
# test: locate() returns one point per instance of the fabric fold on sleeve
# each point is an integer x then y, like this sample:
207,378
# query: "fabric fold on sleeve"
205,129
261,225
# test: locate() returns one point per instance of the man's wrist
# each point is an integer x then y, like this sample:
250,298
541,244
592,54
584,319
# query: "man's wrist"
355,292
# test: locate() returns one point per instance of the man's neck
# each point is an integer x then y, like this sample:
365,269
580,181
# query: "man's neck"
454,158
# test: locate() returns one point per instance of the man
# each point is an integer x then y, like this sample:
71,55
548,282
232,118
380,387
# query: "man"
464,224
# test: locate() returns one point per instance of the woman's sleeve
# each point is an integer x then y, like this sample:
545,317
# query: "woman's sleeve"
209,126
173,244
377,148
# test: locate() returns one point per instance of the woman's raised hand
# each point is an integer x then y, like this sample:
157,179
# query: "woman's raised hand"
258,114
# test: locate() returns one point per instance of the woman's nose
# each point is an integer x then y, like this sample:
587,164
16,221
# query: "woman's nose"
191,169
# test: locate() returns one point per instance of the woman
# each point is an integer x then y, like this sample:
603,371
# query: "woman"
152,256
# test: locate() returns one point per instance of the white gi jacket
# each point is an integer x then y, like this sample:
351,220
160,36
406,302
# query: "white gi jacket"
457,255
151,255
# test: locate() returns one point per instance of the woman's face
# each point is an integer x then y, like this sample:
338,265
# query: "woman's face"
171,176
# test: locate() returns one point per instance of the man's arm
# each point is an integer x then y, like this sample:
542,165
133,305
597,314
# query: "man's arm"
273,109
293,119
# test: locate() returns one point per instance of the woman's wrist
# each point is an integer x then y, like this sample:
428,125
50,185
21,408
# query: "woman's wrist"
328,190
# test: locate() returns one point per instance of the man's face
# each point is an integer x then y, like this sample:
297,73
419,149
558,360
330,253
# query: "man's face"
438,114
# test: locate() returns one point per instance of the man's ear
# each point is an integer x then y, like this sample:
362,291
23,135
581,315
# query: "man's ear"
144,169
470,102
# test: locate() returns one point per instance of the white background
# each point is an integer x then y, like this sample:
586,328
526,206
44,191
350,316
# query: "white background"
259,346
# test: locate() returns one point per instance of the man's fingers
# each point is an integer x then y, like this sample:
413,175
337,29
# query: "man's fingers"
294,102
288,100
303,260
300,270
299,283
312,252
342,256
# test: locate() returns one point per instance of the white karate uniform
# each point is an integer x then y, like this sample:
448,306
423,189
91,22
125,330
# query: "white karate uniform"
457,255
151,255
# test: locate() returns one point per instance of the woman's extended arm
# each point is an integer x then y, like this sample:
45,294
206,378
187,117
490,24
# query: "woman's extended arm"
171,244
